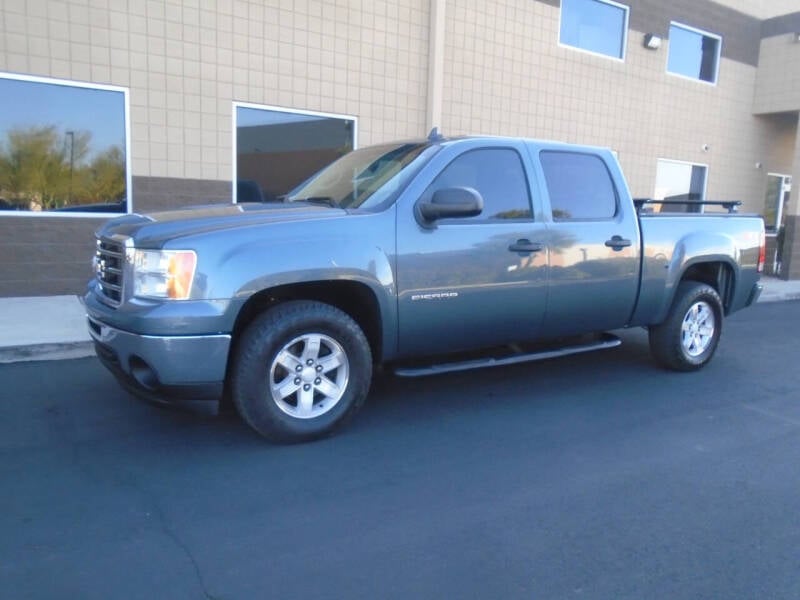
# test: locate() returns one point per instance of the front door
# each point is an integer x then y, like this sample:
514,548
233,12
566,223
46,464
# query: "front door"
473,282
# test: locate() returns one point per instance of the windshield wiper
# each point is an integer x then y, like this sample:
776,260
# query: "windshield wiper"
323,200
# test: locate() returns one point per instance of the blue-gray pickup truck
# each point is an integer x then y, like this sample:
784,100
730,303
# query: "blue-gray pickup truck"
420,257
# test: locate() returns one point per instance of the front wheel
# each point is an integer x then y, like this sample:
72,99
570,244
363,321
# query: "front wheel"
688,337
302,370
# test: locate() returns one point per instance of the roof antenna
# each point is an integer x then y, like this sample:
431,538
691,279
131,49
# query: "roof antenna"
434,135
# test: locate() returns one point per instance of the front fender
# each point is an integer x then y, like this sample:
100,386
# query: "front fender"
357,248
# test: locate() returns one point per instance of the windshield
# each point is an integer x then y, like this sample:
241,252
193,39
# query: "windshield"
363,178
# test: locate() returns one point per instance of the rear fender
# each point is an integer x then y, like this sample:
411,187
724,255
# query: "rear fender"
691,251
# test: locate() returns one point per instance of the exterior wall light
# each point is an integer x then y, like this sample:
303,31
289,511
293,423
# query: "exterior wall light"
652,41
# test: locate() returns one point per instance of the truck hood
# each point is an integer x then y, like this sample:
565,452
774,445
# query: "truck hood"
154,229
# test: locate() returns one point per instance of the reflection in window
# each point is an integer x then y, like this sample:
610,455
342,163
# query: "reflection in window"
363,178
693,53
62,146
598,26
498,176
276,150
775,201
579,186
680,181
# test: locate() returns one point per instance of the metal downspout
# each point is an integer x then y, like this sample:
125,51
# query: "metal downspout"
435,64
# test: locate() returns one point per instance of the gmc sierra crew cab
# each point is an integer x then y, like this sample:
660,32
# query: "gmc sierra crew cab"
422,257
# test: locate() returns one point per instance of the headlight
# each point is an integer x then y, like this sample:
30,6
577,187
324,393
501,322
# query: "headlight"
163,273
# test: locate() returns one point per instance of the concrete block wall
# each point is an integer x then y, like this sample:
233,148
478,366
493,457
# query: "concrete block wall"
790,268
777,87
42,256
185,62
507,74
791,248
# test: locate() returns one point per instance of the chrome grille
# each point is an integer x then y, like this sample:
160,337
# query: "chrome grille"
109,267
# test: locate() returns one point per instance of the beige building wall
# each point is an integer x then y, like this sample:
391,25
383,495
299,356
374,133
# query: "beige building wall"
506,74
777,86
781,131
763,9
777,90
185,62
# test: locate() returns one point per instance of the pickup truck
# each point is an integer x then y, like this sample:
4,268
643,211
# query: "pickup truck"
421,257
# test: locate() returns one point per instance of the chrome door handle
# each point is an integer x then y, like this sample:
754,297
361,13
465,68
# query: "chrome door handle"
617,242
525,246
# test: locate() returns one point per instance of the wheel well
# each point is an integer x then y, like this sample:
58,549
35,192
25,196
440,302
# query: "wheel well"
355,299
718,275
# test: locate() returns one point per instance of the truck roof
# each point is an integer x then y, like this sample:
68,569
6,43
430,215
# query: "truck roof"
535,142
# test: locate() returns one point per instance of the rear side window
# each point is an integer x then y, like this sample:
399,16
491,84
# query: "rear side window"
580,186
497,174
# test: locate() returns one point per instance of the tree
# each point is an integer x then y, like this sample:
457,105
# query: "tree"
103,180
37,165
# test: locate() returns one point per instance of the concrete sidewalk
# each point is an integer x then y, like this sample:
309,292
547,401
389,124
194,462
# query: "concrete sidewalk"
43,328
54,327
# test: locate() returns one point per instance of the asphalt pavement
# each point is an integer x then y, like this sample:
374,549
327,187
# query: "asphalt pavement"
594,476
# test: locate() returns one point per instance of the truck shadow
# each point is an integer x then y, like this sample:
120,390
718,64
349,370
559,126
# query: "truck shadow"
592,385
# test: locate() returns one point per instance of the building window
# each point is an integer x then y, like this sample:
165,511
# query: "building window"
693,53
278,149
63,147
579,186
498,176
597,26
679,181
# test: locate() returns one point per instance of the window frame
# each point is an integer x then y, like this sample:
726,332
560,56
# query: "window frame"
626,25
128,174
236,104
479,219
702,32
617,203
773,229
691,164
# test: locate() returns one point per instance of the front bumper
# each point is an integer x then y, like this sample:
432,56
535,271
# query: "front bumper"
163,367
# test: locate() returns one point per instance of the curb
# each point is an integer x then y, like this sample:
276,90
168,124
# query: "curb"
779,297
58,351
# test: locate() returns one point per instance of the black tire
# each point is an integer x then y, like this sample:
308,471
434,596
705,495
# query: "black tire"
689,336
284,335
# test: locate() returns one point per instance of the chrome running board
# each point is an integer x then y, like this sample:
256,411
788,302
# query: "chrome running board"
603,342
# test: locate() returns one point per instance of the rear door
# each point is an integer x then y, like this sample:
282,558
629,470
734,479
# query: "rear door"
594,243
472,282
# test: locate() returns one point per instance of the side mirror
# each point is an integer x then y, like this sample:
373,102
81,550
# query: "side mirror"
449,203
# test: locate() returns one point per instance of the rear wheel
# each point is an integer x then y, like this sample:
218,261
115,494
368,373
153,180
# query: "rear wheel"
688,337
301,371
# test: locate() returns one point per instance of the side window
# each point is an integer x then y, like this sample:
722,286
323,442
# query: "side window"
579,185
497,174
278,149
693,53
677,180
64,147
596,26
